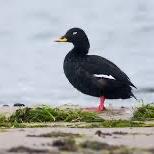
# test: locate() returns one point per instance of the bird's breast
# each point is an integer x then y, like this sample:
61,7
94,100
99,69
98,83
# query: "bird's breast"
72,68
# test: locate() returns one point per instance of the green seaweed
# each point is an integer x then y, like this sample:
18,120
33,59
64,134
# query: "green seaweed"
144,113
48,114
45,116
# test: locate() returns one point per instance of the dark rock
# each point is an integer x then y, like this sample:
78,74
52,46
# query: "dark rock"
5,105
102,134
19,104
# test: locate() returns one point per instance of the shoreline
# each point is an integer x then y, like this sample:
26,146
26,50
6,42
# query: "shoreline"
112,112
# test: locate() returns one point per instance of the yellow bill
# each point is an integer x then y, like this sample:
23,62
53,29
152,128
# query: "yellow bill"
62,39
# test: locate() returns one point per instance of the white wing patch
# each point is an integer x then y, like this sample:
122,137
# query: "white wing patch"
105,76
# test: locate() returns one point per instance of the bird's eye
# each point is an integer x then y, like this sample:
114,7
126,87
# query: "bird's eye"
74,33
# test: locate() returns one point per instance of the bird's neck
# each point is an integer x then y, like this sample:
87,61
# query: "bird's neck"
81,49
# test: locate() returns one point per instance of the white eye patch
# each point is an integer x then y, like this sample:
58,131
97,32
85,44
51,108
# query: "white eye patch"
104,76
74,33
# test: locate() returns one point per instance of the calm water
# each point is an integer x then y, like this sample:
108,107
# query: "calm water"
31,63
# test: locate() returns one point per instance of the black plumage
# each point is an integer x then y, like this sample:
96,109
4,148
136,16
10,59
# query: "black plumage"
91,74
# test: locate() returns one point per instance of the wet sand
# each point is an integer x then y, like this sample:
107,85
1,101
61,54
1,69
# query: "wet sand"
28,137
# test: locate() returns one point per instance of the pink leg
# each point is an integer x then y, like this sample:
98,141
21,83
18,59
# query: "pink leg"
101,106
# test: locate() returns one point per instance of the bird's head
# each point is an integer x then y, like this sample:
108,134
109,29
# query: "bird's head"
76,36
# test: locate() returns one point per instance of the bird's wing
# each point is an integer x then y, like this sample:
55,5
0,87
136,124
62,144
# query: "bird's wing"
100,67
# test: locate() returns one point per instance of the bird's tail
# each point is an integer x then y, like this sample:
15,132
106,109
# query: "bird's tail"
132,95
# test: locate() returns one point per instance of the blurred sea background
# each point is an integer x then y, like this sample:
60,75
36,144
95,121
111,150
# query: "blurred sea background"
31,64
